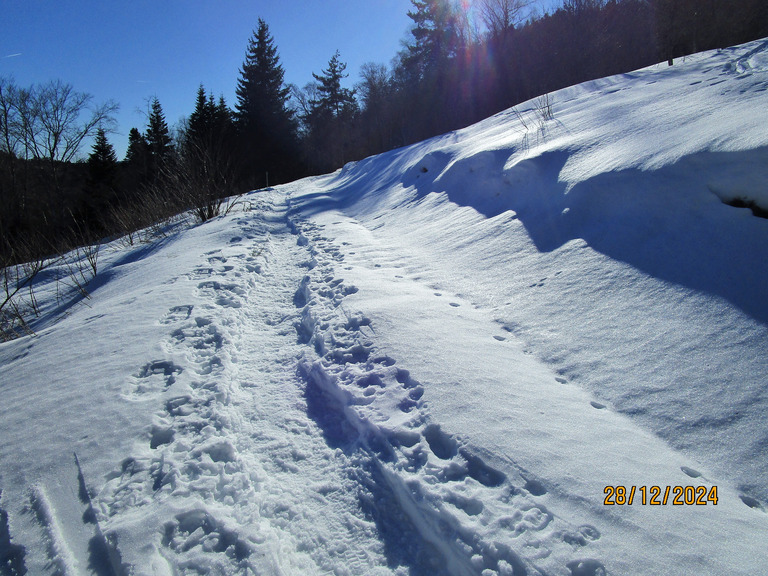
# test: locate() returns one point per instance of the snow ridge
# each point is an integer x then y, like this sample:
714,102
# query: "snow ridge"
58,551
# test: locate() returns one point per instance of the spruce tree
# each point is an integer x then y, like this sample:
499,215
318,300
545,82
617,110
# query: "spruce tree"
159,142
102,162
135,167
101,183
331,118
200,121
206,168
137,147
266,125
334,100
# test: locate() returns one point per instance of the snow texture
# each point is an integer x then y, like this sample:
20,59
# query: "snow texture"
432,361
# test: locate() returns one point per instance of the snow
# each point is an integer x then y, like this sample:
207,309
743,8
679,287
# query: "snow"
432,361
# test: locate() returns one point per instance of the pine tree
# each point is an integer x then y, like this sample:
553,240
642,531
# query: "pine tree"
204,172
101,183
159,142
331,118
333,100
266,125
436,37
427,76
102,162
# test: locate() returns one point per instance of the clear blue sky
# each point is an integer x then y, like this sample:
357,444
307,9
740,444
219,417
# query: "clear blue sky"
131,50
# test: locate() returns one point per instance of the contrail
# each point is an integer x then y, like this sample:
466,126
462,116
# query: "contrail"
13,55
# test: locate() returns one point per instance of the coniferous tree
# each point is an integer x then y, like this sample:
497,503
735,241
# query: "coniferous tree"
437,35
135,166
201,119
101,183
159,143
333,99
205,173
424,73
102,162
265,123
331,118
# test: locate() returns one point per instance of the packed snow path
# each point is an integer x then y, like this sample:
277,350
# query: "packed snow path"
431,362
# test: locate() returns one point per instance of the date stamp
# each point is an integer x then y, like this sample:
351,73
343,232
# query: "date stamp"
660,496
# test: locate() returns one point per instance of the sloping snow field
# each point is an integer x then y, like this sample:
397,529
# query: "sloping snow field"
433,361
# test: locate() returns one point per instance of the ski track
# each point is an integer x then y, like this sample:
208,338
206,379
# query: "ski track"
316,455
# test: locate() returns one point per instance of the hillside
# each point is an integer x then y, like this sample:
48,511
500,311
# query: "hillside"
433,361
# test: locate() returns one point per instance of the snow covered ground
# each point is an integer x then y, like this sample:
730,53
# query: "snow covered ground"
433,361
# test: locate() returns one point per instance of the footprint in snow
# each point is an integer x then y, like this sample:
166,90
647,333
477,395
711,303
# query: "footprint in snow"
690,472
751,502
586,567
177,314
152,379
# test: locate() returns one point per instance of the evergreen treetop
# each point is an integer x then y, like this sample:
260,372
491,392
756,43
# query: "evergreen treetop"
102,162
435,33
333,99
102,151
261,93
158,136
210,124
266,125
137,147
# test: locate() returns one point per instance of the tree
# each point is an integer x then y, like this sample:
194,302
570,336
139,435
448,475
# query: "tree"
377,93
436,37
582,6
428,75
101,184
330,121
205,173
11,145
50,122
137,147
502,16
265,123
201,119
334,100
159,143
102,162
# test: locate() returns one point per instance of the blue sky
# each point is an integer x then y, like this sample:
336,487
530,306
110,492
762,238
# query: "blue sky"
130,51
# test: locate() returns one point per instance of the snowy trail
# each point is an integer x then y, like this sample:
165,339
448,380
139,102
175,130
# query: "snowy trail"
235,475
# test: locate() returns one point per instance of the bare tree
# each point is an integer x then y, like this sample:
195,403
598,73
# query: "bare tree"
581,6
53,122
500,16
12,101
